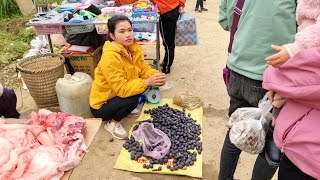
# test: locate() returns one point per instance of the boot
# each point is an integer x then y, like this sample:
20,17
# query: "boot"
165,70
271,151
198,10
165,67
204,9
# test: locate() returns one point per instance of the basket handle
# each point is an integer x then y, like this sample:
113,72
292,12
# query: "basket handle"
20,88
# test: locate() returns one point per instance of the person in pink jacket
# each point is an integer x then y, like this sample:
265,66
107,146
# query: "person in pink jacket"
308,36
296,131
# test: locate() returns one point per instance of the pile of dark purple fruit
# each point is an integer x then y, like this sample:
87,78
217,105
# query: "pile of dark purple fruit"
183,133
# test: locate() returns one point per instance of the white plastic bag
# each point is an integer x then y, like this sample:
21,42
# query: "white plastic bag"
246,136
37,43
248,127
242,114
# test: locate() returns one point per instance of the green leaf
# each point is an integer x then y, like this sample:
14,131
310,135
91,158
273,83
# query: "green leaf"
8,8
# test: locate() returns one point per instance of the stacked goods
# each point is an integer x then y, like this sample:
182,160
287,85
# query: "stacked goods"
143,6
107,13
48,23
144,15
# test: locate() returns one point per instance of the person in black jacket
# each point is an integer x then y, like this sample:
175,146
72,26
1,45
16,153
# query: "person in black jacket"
8,103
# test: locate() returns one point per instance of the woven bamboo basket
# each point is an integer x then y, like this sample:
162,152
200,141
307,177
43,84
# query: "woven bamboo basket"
40,73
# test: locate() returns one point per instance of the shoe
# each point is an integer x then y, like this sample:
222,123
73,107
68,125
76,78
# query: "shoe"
135,112
204,9
272,153
198,10
166,71
116,130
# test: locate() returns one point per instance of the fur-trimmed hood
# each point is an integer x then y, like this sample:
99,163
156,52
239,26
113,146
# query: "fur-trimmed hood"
309,1
308,10
308,36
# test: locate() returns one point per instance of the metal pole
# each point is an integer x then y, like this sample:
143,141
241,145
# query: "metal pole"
35,5
158,47
50,43
47,5
48,35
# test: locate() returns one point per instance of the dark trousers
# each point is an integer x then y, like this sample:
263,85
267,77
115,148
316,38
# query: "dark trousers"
8,103
168,23
287,170
199,4
243,92
116,108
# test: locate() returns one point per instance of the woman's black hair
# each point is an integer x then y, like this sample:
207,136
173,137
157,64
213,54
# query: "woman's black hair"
112,22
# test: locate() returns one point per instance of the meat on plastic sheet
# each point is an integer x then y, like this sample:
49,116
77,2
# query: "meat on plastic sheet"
43,148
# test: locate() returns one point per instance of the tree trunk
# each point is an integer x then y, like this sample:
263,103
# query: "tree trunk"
26,7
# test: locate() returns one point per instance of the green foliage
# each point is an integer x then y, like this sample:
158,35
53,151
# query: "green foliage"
43,2
15,39
8,8
26,34
21,47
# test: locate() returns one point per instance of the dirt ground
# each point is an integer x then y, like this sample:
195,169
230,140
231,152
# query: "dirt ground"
197,69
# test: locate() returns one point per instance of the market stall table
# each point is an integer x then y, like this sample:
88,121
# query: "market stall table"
44,28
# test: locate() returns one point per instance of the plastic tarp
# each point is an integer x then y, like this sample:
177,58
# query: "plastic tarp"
125,163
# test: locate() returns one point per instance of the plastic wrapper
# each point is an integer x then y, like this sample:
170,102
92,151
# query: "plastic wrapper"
155,143
187,100
248,127
167,86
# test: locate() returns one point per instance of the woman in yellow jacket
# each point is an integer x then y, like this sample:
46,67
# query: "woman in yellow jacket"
169,13
120,77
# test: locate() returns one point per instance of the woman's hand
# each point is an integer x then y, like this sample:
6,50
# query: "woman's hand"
279,58
158,79
279,101
271,95
276,100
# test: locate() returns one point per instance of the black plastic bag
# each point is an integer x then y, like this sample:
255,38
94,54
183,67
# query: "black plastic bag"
86,39
92,8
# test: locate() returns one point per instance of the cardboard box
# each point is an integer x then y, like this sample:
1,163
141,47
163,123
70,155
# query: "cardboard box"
84,62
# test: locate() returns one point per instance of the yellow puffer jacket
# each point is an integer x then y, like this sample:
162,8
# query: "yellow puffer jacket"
119,75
